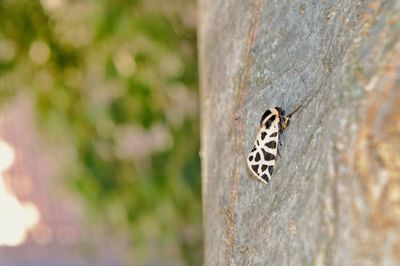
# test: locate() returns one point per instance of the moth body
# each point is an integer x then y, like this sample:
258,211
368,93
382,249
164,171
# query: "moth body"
261,159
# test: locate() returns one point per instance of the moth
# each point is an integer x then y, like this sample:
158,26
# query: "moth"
262,157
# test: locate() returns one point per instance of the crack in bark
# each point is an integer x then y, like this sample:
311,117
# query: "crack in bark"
238,132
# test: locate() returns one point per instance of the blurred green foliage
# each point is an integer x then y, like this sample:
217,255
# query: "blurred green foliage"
116,82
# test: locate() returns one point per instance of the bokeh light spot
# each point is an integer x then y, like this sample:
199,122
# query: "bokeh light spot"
39,52
7,51
124,63
16,218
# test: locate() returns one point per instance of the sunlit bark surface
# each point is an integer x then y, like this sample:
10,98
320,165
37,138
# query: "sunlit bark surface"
334,197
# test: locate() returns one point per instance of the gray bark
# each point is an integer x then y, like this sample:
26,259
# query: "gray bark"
334,198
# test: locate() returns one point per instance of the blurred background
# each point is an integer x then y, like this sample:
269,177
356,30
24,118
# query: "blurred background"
99,133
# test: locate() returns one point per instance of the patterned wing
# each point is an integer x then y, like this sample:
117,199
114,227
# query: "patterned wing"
261,160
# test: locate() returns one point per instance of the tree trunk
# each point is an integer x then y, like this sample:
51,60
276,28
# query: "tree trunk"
334,196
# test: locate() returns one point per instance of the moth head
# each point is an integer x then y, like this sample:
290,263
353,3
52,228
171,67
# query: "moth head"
285,122
280,111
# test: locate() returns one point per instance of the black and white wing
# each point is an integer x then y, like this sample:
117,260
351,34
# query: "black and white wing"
261,160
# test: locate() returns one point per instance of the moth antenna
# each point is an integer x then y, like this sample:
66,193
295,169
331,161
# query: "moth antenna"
292,113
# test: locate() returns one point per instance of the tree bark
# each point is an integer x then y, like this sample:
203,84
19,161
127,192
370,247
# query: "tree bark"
334,197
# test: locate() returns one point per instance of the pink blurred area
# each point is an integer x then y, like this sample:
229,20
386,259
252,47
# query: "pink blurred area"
62,236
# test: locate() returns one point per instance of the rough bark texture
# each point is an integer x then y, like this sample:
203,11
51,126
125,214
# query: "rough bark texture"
334,198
